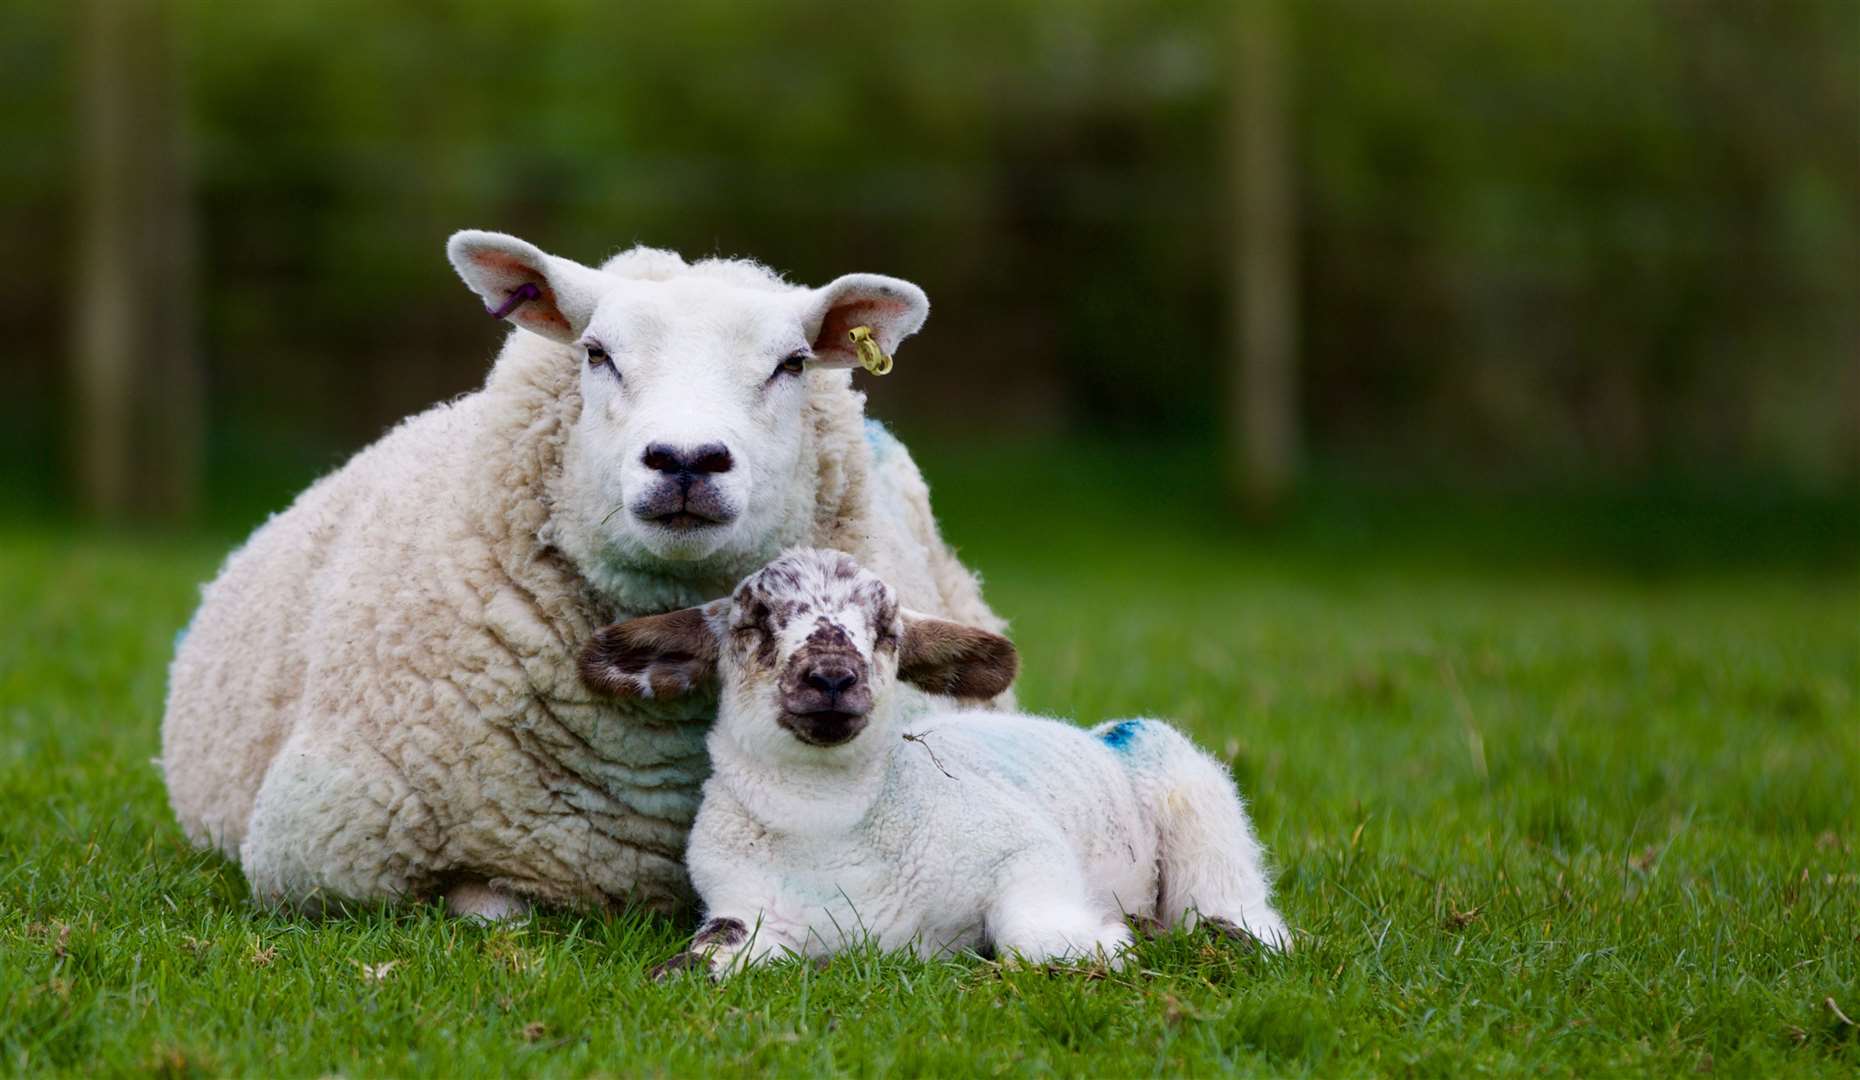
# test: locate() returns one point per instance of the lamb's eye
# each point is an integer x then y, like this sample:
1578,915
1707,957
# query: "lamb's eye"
597,354
792,364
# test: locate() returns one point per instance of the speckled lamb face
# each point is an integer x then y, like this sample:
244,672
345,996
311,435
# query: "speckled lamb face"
692,443
809,649
819,636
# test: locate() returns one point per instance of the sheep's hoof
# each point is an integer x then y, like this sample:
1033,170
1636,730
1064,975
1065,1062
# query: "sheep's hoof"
1231,931
678,965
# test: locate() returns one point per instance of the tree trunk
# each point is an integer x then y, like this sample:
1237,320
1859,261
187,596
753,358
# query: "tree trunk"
138,386
1262,418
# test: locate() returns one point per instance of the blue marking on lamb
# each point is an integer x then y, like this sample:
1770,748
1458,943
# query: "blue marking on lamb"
1118,735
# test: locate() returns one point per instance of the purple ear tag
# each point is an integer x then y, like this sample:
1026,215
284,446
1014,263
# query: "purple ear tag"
519,296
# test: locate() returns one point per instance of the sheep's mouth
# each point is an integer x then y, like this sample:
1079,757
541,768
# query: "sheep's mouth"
828,727
684,507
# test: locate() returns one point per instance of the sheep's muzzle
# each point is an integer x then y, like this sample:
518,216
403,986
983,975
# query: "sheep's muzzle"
683,504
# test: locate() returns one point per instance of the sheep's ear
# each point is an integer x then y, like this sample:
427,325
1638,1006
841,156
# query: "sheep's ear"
943,657
501,268
894,309
655,656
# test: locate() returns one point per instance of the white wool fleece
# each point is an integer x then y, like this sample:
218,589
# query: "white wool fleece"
377,697
840,814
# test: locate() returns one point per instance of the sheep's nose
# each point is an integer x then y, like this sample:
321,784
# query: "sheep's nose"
832,679
688,460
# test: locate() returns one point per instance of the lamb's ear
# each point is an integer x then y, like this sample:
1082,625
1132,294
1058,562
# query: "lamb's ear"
894,309
949,658
654,656
502,269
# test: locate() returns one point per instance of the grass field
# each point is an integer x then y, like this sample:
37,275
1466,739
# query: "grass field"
1530,815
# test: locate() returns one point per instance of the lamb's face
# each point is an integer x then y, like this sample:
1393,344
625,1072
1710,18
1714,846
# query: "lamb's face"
694,444
812,648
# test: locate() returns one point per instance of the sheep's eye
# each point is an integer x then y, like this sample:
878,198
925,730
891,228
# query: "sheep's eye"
792,364
597,355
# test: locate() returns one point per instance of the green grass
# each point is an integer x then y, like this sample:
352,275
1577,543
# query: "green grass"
1531,815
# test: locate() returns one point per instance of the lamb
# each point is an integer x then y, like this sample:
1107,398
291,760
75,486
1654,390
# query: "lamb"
378,699
839,813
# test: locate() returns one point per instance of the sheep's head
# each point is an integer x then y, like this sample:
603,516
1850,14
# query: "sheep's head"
808,648
694,383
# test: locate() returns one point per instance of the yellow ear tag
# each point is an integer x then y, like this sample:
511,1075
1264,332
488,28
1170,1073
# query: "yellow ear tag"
871,357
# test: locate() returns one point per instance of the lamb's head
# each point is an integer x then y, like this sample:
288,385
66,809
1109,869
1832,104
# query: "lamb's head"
809,650
694,382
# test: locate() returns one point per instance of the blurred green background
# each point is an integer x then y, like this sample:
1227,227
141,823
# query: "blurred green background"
1278,255
1448,410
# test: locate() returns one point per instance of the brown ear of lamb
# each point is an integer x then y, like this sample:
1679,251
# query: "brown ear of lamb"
944,657
654,656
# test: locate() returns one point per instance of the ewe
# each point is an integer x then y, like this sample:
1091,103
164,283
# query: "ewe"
378,696
838,814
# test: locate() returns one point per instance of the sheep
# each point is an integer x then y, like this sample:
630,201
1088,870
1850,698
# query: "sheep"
839,814
377,697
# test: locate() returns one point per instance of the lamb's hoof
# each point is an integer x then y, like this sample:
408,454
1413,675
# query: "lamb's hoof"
1231,931
1146,927
678,965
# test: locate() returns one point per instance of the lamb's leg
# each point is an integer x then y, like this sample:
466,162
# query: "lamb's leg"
1213,868
1043,913
727,944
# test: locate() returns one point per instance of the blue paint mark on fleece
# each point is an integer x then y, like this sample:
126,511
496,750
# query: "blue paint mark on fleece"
181,634
879,438
1118,735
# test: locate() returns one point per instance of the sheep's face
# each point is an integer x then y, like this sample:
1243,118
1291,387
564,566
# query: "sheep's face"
809,649
692,424
694,444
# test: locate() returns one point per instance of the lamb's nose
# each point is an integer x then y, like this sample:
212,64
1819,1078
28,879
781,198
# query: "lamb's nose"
688,460
832,679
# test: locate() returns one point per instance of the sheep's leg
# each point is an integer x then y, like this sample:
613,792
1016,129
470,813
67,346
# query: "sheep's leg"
1042,914
335,821
483,902
725,945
